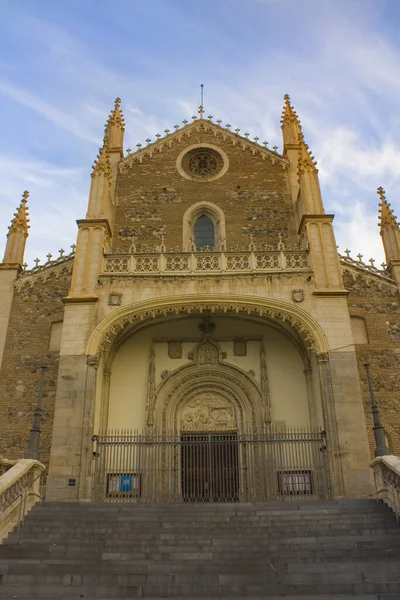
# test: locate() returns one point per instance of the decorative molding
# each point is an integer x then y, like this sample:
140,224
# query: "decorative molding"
298,319
198,126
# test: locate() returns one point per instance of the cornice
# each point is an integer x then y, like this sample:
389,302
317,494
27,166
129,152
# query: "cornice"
206,126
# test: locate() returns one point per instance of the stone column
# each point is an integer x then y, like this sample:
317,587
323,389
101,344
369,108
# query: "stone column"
86,473
348,452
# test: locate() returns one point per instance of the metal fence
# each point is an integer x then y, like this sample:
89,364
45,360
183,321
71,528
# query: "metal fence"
210,467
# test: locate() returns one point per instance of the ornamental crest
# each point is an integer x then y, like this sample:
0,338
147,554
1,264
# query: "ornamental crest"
298,295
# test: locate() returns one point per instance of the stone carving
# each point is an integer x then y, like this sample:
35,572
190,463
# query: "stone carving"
207,354
202,162
238,262
208,412
116,265
208,263
147,263
177,263
114,299
92,360
265,395
298,260
394,332
151,389
267,261
239,348
232,307
175,349
298,295
165,374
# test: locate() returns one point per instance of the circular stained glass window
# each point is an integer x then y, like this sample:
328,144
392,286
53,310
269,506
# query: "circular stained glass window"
202,162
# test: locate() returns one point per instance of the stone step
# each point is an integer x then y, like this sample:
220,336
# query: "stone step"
69,590
239,551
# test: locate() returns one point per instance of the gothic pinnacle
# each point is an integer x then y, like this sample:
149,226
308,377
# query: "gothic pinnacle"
20,221
102,163
116,117
115,127
386,216
290,124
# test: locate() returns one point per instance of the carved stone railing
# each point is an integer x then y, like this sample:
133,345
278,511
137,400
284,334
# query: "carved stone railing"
5,465
181,263
20,489
387,481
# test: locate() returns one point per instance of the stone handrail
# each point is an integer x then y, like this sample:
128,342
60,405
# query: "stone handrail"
20,489
176,263
387,481
5,464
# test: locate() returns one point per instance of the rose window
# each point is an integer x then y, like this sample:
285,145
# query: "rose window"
202,162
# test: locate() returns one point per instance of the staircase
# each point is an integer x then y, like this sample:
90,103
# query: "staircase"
322,549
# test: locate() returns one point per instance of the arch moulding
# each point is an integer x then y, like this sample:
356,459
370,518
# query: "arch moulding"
276,310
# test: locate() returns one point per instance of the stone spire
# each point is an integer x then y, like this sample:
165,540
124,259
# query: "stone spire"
99,205
102,164
17,234
115,127
389,228
290,124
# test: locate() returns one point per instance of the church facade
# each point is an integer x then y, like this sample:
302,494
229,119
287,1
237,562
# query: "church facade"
204,301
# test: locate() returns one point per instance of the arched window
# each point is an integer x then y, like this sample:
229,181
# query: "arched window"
204,233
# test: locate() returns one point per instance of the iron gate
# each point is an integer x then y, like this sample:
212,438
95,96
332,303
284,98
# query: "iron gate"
210,467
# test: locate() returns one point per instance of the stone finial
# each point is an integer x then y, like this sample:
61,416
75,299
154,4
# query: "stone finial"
290,124
306,160
102,163
115,128
389,228
20,221
386,216
116,117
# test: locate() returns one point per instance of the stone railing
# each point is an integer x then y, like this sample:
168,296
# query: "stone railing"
387,481
5,465
20,489
181,263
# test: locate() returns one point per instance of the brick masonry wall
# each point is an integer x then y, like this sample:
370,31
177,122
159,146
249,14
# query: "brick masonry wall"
35,306
152,197
379,305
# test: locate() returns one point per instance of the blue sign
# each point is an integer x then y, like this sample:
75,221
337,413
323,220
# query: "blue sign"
126,483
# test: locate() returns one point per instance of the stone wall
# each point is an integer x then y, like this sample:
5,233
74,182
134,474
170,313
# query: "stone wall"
152,197
37,303
378,303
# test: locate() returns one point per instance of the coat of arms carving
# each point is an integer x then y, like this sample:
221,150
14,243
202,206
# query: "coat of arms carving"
298,295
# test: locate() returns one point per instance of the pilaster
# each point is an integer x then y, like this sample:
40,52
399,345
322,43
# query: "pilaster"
324,257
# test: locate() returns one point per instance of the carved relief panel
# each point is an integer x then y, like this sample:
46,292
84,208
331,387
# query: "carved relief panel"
208,412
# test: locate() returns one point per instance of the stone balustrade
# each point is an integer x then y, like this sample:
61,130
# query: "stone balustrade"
20,489
181,263
387,481
5,464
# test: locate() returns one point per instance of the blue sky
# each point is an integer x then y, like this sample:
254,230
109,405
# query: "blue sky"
63,63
